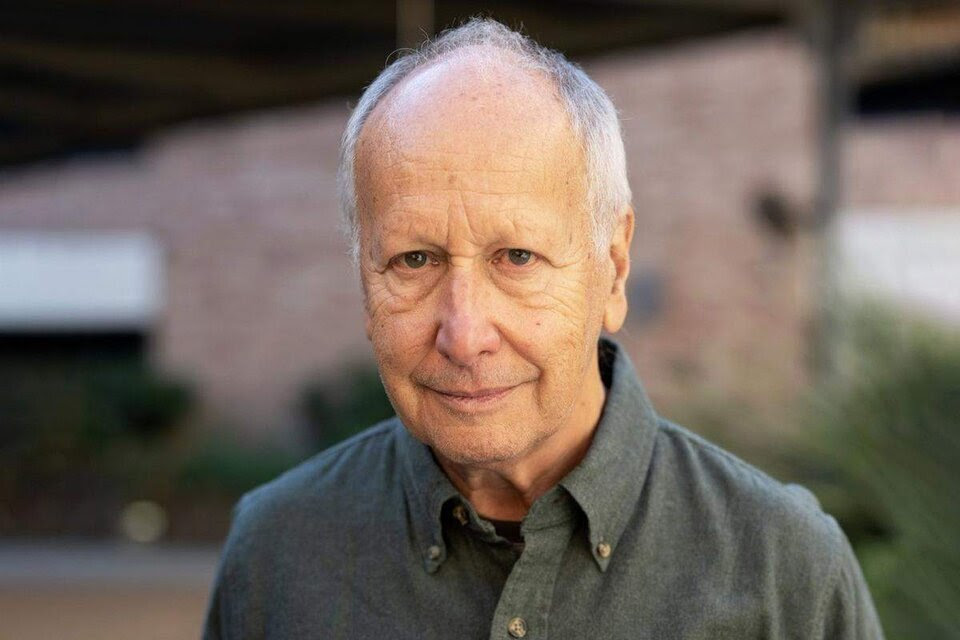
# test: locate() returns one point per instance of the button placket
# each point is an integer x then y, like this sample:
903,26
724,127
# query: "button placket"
524,607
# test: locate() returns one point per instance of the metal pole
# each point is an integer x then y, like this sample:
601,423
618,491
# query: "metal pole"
833,23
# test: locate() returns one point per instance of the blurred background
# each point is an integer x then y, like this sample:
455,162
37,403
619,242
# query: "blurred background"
179,321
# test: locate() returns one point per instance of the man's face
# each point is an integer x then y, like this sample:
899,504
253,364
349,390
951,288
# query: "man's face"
484,293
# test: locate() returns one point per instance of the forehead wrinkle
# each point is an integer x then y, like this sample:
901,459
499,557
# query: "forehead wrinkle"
408,183
434,175
437,173
459,229
479,209
483,214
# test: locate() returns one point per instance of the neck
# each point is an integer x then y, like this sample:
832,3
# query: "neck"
505,490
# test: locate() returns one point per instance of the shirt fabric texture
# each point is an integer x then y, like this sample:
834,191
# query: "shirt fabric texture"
656,534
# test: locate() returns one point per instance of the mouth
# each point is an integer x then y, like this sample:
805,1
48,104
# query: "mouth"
473,399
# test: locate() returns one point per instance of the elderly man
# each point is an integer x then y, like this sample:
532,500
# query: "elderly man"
526,489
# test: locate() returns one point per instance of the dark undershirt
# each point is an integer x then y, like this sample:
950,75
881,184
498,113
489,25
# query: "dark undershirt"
510,529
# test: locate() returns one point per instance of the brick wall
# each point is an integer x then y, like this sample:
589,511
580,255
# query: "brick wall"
260,293
707,128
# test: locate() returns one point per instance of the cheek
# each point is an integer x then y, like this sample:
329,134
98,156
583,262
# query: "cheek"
559,335
401,338
561,314
400,347
553,339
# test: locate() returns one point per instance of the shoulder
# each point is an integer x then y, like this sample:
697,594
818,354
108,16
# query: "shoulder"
722,479
782,524
297,529
334,486
770,538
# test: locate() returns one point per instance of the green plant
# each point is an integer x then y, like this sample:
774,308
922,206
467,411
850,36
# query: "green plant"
336,408
888,465
137,402
79,435
230,467
84,409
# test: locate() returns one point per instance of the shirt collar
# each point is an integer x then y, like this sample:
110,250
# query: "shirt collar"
606,484
427,489
608,481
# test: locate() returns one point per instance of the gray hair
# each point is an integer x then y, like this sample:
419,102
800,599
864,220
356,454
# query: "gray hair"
592,117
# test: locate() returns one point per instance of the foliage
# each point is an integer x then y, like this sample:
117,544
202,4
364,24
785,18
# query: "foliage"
80,435
137,402
338,408
222,464
888,466
79,412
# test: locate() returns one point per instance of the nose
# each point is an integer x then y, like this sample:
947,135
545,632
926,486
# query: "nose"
466,331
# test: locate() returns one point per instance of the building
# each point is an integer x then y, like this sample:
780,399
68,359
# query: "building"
247,291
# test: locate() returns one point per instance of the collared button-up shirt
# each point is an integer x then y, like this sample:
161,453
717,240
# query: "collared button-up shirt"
655,534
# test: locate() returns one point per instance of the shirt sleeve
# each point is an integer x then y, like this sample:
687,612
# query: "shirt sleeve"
211,627
848,612
218,625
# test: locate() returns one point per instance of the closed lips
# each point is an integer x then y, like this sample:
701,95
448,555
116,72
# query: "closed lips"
480,393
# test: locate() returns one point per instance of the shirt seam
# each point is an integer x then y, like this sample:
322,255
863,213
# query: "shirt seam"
705,445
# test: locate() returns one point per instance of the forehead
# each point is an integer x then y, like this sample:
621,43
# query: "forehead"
486,131
472,100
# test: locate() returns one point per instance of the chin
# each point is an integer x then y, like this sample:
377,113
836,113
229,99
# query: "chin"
478,444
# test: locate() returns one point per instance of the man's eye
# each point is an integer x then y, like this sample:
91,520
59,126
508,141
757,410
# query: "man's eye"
519,257
415,259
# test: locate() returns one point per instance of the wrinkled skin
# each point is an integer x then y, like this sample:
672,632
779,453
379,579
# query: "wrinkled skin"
484,292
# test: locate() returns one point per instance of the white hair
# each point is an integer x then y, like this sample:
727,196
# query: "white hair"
592,115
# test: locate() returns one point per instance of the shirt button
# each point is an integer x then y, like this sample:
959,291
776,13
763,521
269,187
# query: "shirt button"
460,513
517,628
433,552
603,550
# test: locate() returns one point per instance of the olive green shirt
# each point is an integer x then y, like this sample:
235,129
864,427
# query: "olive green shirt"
655,534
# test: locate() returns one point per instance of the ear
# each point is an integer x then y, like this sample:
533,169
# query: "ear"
615,310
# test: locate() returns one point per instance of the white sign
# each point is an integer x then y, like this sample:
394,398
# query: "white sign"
911,257
78,280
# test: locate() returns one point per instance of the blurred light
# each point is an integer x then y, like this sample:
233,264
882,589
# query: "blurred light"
143,521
